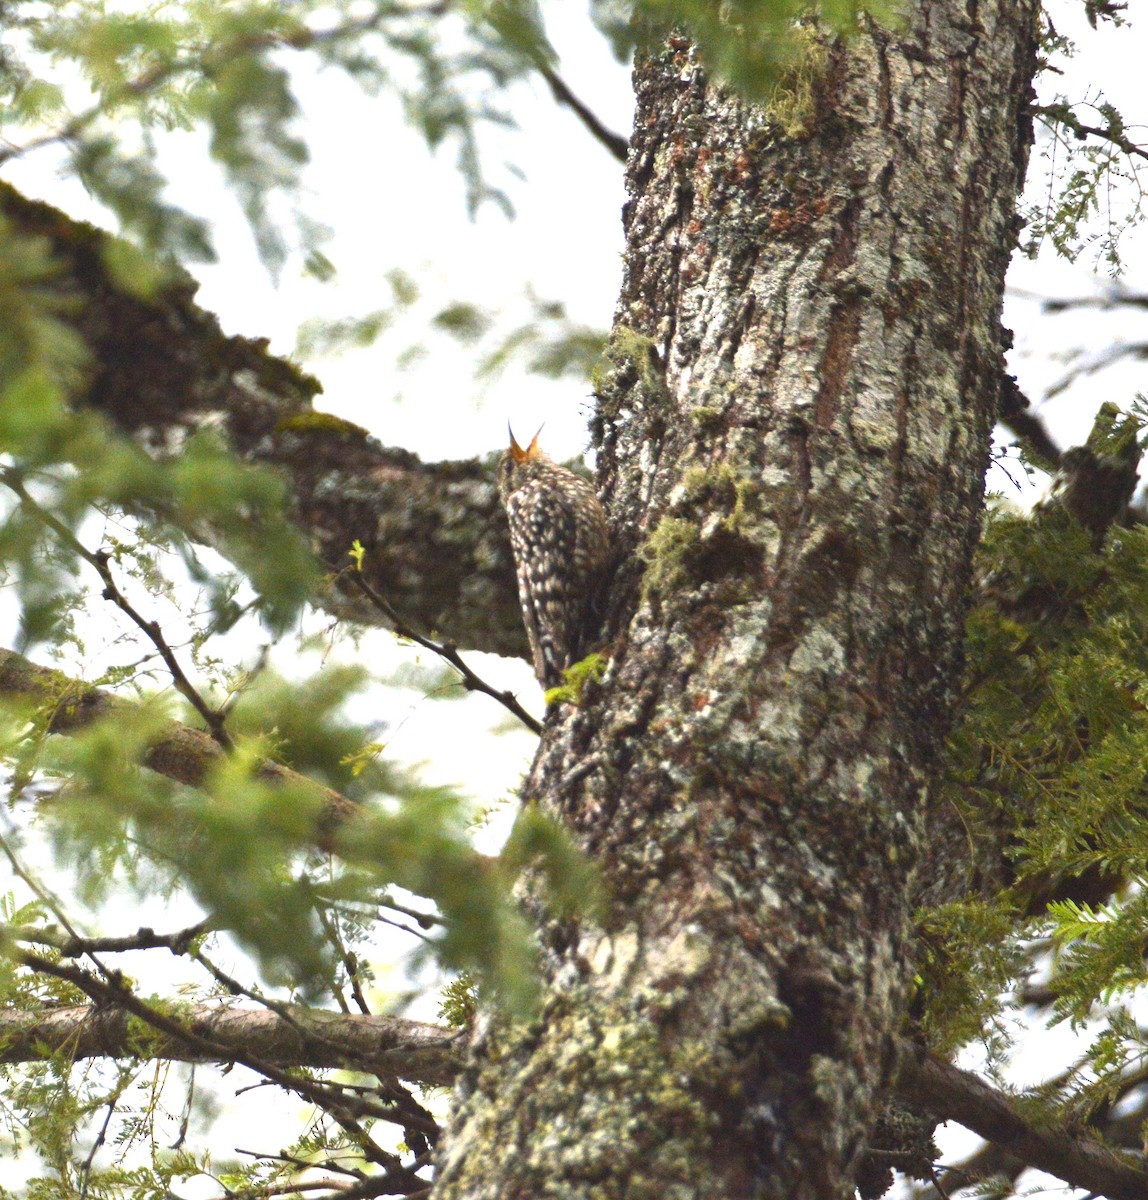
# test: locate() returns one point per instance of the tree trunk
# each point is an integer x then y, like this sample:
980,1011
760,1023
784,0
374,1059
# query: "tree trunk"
793,441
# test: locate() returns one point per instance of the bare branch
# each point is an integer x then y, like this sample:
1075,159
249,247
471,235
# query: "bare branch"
1097,362
1063,115
1113,296
414,1050
618,146
376,1186
1082,1161
1016,413
448,652
73,946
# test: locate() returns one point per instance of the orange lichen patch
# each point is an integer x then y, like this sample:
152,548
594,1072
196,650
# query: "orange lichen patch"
680,150
740,169
785,221
844,330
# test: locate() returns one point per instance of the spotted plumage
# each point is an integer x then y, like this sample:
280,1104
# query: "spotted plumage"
561,552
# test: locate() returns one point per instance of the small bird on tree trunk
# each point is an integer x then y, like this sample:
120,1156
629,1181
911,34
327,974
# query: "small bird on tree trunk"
562,554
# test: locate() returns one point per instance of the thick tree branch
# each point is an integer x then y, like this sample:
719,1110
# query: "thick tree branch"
413,1050
345,1106
1017,416
111,990
952,1094
434,533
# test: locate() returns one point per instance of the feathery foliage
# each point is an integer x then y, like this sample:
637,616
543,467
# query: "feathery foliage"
283,901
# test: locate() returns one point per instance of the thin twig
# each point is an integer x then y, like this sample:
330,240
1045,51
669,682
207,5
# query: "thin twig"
100,560
327,1164
1062,114
349,961
101,1138
363,912
618,146
1097,362
385,1185
74,946
447,651
414,1130
425,920
235,988
415,933
47,898
185,1116
377,1185
1111,297
936,1181
423,1122
268,1190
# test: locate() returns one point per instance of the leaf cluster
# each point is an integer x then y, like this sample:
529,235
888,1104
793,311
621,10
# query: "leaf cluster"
1089,188
88,513
108,88
1046,767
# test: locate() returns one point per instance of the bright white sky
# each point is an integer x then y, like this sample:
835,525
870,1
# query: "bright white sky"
391,205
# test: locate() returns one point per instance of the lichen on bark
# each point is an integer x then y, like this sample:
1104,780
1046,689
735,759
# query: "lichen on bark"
792,439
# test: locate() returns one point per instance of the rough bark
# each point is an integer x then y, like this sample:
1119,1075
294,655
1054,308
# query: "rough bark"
793,444
434,533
